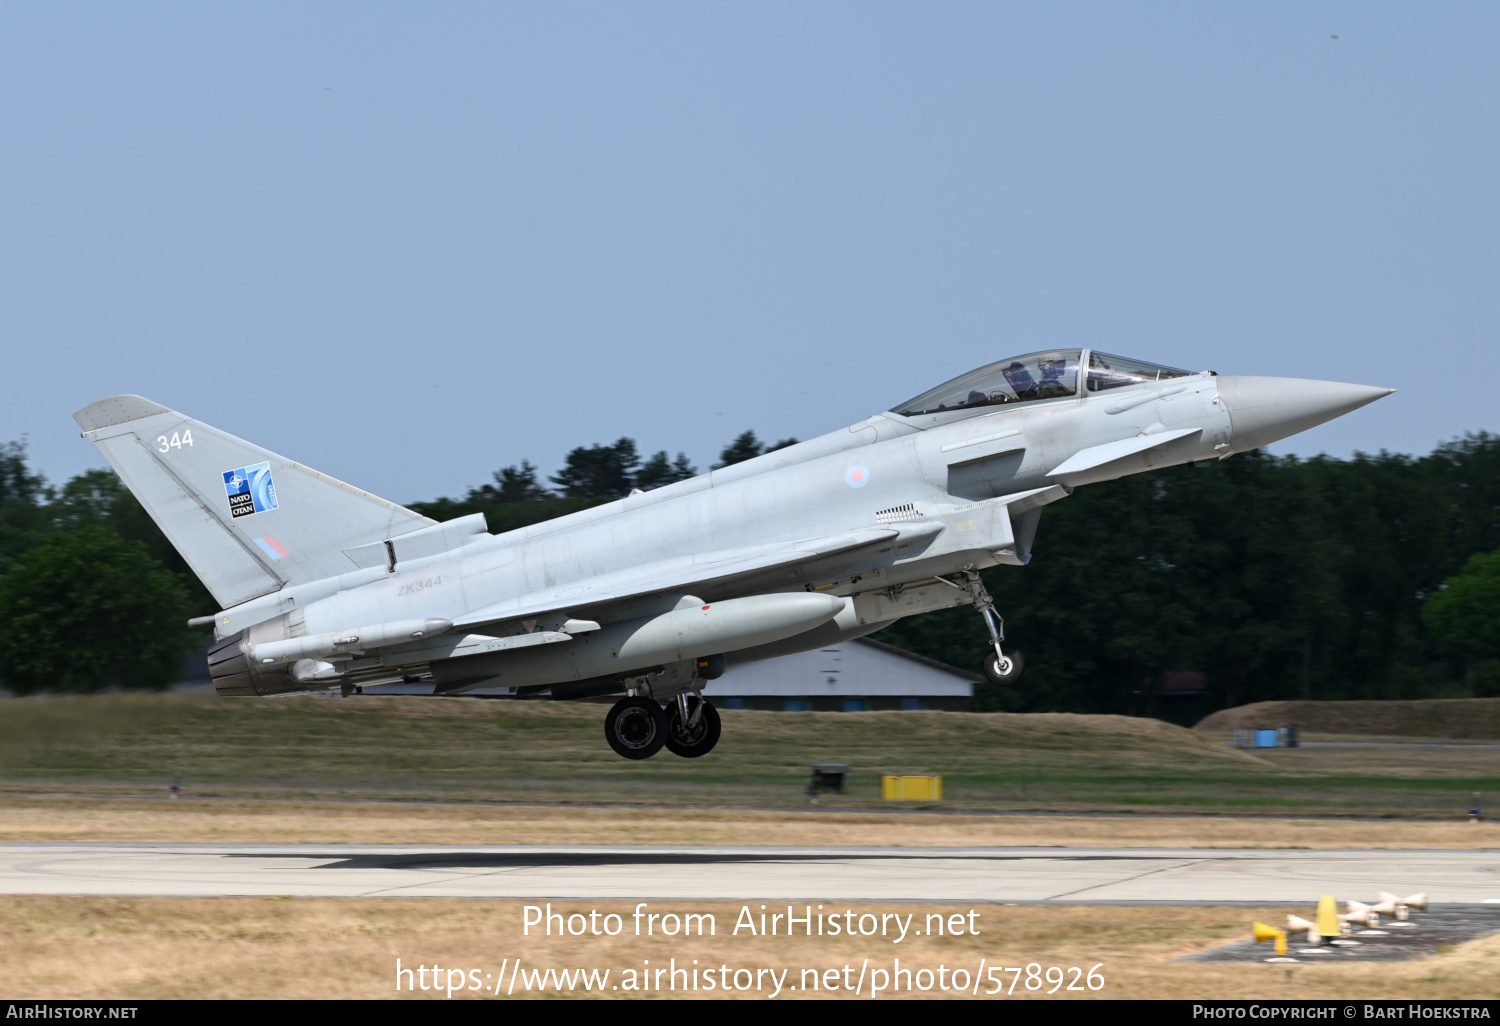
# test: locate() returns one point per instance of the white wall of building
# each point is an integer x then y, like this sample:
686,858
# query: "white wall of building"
860,668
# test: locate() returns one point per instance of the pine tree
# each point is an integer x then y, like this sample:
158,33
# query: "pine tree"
659,470
599,471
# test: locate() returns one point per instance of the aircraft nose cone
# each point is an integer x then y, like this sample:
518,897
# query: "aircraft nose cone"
1264,410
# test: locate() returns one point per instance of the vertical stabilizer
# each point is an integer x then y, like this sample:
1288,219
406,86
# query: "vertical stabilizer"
246,520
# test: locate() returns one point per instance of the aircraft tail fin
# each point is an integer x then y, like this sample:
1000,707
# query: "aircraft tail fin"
248,521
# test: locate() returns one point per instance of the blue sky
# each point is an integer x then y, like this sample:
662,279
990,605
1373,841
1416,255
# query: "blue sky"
409,244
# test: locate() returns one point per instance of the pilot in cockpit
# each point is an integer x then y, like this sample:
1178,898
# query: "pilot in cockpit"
1021,380
1052,372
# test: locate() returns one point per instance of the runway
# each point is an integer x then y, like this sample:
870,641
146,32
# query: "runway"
629,873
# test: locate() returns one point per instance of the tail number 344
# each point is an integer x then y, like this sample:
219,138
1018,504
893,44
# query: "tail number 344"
177,441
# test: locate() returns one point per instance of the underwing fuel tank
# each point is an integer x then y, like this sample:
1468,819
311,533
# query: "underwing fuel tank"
693,628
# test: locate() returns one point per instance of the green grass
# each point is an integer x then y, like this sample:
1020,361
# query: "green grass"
555,752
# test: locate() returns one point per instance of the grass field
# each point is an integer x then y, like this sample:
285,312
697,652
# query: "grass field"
51,818
347,948
416,748
1455,718
542,752
387,770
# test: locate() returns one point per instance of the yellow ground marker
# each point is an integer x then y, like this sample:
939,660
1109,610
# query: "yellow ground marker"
924,789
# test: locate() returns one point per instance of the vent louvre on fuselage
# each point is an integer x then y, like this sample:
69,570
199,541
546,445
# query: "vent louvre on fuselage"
905,511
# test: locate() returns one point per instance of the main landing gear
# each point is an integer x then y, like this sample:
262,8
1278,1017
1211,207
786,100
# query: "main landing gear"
1004,665
638,727
692,727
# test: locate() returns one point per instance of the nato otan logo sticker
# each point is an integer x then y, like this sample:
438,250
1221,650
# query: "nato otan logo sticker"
856,477
250,490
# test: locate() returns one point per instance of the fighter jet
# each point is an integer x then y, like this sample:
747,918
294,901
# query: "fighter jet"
654,596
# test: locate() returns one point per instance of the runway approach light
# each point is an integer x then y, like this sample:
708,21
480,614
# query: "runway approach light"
1296,924
1265,933
1359,912
1403,906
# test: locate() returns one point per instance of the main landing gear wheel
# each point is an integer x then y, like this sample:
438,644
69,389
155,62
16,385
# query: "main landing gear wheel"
636,728
1004,667
695,733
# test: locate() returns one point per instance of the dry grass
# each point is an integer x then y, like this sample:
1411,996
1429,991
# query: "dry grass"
1468,718
338,948
88,819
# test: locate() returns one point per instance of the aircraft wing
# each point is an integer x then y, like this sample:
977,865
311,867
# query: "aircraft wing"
683,574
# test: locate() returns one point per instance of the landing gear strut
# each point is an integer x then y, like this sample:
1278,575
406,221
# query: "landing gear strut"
1003,665
692,727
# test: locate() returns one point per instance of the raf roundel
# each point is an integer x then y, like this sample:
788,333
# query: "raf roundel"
856,477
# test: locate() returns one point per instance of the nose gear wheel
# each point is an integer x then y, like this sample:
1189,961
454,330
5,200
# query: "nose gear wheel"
1002,665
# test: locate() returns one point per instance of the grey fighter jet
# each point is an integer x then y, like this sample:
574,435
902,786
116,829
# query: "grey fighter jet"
652,597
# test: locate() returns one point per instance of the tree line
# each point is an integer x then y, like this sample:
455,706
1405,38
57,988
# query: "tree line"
1273,577
514,497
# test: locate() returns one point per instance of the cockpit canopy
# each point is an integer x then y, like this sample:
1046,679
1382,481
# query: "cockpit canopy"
1107,371
1020,379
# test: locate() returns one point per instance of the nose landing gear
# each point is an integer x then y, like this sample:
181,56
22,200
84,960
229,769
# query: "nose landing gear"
1004,665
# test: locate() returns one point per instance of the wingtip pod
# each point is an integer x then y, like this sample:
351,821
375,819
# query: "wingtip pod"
116,409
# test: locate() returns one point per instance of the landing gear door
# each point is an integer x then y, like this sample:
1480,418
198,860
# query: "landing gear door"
1023,527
